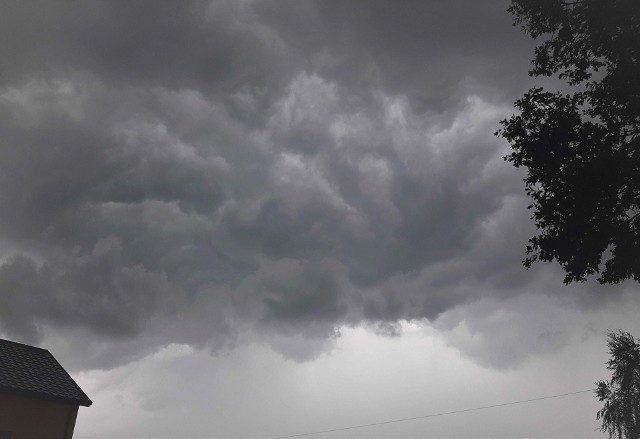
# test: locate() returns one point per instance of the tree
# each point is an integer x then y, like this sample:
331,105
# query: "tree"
581,147
620,414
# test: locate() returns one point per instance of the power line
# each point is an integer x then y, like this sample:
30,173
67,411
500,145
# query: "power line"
433,415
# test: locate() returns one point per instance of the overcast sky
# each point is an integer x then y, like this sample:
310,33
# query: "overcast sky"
262,218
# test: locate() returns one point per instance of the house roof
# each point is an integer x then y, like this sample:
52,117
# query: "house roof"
30,371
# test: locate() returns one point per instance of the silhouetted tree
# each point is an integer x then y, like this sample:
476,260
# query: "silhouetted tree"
620,414
581,147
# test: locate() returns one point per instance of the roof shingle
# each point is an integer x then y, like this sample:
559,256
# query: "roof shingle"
32,371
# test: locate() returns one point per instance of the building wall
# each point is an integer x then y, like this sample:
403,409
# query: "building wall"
28,418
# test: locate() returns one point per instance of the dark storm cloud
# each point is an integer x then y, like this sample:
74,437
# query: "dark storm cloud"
446,43
163,43
94,291
212,172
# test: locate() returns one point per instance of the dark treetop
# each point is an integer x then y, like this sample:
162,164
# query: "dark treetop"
30,371
581,148
620,414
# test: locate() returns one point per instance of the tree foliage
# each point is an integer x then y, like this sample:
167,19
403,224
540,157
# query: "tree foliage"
581,146
620,414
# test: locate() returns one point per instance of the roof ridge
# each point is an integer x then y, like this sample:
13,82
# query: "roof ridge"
33,371
4,340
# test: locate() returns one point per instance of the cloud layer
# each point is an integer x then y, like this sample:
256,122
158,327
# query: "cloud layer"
211,173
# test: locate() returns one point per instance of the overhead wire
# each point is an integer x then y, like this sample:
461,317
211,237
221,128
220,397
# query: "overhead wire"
433,415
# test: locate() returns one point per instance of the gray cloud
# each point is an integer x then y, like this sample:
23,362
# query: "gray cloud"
95,291
212,172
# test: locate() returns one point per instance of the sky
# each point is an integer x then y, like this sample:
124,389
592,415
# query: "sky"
260,218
